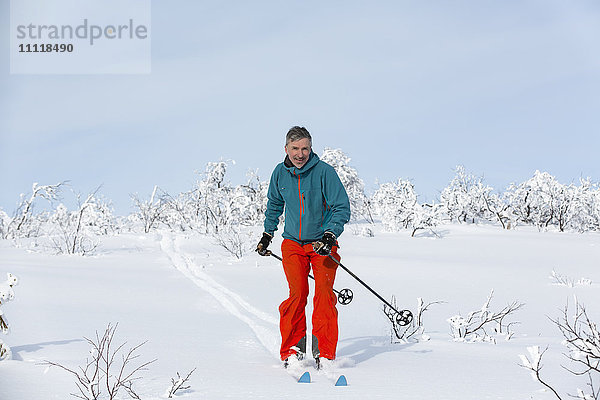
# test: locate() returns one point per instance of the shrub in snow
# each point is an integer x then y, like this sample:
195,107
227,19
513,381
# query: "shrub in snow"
6,294
179,384
468,199
212,207
361,230
234,240
540,201
582,340
543,201
457,198
397,206
4,221
224,209
563,280
426,217
413,331
5,352
360,205
584,212
24,223
211,195
472,328
247,203
99,218
149,212
108,371
213,204
533,362
68,231
594,210
74,231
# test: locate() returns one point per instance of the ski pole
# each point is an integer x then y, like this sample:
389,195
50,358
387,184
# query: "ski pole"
345,296
403,317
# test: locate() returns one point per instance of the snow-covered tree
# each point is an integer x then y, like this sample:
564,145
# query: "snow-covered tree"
541,201
212,207
426,217
456,197
360,206
244,205
175,212
468,199
74,231
150,212
99,217
211,195
397,206
395,203
24,222
584,211
4,222
248,202
497,208
216,204
594,204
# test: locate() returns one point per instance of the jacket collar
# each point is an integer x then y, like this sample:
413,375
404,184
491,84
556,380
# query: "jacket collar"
313,159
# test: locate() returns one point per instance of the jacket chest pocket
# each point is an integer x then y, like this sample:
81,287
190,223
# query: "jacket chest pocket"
311,202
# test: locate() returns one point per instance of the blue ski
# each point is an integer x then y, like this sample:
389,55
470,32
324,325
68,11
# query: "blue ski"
305,378
341,381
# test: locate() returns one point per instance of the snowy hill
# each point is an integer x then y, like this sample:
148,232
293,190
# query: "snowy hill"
199,308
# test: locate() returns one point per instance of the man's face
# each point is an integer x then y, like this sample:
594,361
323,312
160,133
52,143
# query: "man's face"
298,152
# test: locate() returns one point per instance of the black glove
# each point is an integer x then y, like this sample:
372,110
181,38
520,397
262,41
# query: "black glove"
263,244
323,246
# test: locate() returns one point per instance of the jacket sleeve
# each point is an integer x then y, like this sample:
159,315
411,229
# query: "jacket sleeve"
275,203
336,198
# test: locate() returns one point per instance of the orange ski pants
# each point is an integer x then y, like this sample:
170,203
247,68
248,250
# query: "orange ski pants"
297,261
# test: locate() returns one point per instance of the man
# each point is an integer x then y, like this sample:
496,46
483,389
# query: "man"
316,210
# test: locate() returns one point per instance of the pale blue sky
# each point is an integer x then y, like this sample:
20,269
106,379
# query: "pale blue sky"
406,88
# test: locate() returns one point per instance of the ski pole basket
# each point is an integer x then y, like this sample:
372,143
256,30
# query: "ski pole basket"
401,318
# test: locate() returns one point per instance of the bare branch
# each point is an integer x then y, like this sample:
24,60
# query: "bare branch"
179,384
470,327
403,333
102,367
535,366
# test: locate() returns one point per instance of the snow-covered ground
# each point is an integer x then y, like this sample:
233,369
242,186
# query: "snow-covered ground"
199,308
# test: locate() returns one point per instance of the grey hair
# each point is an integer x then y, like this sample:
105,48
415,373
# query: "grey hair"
297,133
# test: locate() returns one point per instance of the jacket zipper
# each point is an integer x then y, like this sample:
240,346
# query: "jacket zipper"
301,208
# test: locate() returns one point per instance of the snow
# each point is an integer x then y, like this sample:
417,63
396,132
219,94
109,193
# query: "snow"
197,307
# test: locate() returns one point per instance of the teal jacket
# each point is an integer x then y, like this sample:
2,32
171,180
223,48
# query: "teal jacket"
313,197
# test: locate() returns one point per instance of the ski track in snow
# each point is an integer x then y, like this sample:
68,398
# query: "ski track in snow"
256,319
